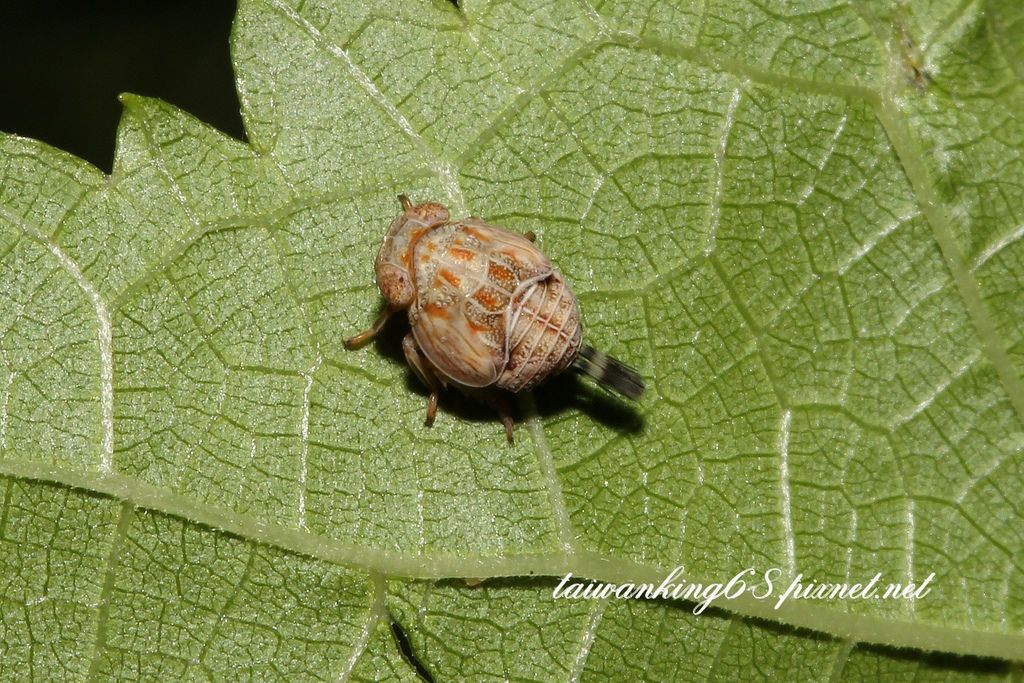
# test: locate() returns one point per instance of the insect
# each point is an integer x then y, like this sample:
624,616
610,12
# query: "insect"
487,310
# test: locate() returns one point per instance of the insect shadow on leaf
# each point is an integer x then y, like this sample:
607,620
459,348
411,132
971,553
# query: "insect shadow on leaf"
560,393
570,391
389,345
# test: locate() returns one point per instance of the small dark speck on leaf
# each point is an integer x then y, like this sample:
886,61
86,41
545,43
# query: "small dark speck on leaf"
405,649
913,59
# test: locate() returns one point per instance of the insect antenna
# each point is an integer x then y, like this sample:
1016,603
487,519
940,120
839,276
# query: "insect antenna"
609,372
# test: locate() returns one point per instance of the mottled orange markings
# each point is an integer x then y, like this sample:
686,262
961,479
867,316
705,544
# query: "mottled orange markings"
489,312
488,300
437,311
450,277
501,275
460,254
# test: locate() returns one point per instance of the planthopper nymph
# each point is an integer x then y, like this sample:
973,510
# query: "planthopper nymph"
487,310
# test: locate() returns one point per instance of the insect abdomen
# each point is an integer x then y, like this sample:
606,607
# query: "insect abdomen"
543,333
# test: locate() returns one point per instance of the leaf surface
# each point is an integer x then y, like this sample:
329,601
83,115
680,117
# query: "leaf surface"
803,225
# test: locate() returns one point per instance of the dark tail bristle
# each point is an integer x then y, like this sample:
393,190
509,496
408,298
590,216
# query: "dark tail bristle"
610,373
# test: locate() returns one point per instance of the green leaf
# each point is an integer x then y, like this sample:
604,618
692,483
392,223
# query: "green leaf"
803,223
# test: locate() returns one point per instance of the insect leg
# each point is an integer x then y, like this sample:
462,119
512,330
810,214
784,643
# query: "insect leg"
367,335
506,419
497,400
422,370
504,408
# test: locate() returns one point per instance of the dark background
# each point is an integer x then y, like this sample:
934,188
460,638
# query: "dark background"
63,64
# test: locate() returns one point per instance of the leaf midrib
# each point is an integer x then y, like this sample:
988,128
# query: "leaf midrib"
582,564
